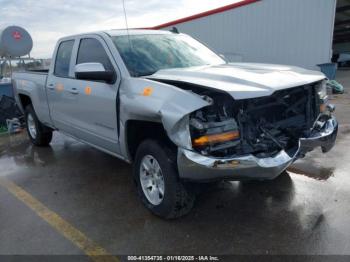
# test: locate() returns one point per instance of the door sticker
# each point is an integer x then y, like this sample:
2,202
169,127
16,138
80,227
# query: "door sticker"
59,87
88,90
147,91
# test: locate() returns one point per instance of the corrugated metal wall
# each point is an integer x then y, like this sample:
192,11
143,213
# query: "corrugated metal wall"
294,32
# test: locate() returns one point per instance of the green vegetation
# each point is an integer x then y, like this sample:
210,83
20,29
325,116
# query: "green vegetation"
3,129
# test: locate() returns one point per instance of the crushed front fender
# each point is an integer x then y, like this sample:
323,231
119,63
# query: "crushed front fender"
146,100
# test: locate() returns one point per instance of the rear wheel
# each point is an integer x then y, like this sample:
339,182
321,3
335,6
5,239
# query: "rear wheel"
39,134
158,184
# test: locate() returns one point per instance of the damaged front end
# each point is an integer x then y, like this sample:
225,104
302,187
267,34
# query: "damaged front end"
257,137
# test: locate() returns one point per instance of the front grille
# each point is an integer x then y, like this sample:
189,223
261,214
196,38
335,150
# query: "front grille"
276,122
266,125
284,105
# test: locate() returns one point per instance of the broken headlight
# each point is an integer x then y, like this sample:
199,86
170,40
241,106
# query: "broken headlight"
214,128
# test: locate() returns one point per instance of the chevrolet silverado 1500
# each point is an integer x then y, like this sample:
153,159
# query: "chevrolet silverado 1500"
176,110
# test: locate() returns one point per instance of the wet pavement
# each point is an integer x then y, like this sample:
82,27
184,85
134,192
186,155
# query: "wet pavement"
304,211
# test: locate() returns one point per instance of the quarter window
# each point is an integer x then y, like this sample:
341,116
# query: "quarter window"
63,57
92,51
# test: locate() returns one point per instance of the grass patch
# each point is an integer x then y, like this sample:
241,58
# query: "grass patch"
3,129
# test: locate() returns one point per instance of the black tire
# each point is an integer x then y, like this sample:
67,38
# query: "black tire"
178,198
43,135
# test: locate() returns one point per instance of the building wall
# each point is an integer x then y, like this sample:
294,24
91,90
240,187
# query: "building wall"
294,32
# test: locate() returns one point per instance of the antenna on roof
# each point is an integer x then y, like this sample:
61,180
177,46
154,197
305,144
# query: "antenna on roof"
174,30
126,24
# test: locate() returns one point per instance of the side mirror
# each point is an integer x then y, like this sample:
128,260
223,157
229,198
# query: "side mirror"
94,72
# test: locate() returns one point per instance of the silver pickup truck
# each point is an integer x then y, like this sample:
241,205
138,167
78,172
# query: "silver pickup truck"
176,110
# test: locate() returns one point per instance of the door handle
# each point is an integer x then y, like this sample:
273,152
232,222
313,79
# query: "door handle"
51,86
74,91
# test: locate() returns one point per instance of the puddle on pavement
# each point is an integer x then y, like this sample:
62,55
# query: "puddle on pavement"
320,173
345,129
19,146
11,141
20,142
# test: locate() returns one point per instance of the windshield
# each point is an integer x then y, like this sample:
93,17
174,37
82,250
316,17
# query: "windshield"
146,54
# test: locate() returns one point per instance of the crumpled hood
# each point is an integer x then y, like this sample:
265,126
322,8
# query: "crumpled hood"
242,80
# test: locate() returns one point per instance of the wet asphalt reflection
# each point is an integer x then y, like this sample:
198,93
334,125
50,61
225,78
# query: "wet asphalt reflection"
304,211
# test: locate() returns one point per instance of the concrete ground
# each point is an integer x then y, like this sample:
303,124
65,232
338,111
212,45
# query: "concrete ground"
304,211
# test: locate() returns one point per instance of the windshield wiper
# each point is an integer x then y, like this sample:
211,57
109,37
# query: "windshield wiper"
146,73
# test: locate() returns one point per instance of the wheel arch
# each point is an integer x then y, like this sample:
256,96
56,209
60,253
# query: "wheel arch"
24,101
137,131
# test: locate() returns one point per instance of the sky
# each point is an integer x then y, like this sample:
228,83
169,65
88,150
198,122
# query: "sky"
48,20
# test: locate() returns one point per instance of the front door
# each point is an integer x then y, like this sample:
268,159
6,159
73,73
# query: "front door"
95,111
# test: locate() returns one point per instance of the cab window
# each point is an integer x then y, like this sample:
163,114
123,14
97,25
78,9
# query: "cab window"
63,57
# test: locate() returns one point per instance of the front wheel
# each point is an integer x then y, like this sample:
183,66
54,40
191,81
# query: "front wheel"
39,134
158,184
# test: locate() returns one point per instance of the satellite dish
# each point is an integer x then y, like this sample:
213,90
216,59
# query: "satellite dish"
15,41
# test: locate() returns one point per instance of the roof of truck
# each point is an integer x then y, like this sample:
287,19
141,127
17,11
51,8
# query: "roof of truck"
116,32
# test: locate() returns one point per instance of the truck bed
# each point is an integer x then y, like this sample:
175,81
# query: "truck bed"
33,84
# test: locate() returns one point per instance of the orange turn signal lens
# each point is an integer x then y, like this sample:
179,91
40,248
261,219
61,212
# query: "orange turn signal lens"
217,138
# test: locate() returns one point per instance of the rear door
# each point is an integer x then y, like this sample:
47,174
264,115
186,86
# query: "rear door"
61,101
94,114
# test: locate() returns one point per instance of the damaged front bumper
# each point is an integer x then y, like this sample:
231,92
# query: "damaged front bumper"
196,167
